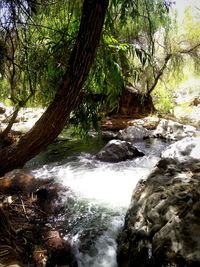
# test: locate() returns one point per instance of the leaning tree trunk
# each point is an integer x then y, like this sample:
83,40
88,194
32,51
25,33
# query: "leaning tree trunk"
51,123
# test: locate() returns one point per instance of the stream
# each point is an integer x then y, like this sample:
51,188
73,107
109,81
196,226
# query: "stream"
99,193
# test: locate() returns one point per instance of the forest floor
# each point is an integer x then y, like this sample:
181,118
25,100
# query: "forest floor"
21,228
29,234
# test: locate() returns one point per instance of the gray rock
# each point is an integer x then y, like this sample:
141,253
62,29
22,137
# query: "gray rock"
116,150
162,224
172,130
185,150
133,132
109,135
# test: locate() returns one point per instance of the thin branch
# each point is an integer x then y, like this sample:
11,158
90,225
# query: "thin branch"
160,73
188,51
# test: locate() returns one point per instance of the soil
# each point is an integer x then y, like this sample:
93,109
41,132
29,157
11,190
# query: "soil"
29,234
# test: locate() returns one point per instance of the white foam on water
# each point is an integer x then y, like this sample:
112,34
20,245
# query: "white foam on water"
103,184
106,188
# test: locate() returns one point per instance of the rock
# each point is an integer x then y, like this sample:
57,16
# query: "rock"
185,150
26,118
109,135
17,181
17,264
195,101
133,132
133,102
20,181
2,110
116,150
60,250
119,122
162,224
172,130
49,197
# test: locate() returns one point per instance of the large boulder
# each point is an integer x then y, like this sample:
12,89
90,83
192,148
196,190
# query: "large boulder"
172,130
133,132
187,149
162,224
117,150
133,102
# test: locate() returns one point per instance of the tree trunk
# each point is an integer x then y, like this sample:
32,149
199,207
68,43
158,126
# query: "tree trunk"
51,123
6,131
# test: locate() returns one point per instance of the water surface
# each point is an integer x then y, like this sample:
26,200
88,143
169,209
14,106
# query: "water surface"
98,196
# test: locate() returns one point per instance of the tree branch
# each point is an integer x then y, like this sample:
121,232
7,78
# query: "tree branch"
159,74
188,51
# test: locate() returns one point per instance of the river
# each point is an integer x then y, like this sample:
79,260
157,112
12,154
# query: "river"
98,196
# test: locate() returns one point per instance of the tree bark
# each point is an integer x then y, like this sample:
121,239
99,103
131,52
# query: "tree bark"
51,123
9,126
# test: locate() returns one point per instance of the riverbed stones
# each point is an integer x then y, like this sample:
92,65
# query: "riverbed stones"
25,120
133,133
117,150
162,223
172,130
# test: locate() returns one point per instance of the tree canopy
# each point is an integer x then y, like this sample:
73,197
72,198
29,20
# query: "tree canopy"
47,54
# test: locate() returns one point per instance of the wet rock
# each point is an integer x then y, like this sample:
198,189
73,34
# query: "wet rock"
109,135
133,132
162,224
17,181
60,250
49,198
172,130
20,181
117,150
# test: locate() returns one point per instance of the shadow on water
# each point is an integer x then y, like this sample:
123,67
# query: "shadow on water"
66,150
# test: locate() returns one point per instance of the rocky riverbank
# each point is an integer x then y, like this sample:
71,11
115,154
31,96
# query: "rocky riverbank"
29,228
162,223
162,217
26,118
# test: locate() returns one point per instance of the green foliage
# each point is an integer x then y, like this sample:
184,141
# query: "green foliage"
86,117
164,100
128,53
40,46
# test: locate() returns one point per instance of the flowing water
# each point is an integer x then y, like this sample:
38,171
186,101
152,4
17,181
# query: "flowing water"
98,196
